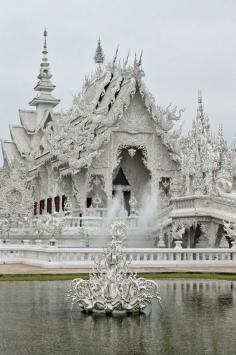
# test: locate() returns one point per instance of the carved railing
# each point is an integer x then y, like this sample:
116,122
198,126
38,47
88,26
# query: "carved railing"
220,207
190,202
139,257
97,221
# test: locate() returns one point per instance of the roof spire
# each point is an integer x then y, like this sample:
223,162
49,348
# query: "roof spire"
200,108
99,56
201,116
45,38
44,85
44,66
135,60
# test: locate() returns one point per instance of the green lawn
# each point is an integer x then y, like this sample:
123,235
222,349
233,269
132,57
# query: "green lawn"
158,276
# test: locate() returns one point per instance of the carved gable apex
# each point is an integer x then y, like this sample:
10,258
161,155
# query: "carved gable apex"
136,117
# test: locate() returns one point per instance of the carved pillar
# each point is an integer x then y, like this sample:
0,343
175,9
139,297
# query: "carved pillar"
108,186
79,187
213,229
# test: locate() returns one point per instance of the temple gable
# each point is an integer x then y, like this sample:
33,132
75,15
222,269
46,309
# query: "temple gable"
136,117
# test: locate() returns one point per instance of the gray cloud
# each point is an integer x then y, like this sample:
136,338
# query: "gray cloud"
187,45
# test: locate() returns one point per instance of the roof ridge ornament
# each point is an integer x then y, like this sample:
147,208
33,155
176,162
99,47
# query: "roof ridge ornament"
140,58
126,60
115,56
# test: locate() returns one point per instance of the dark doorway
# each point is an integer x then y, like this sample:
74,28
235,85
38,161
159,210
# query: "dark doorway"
120,179
89,202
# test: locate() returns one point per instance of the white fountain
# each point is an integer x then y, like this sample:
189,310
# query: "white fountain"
110,288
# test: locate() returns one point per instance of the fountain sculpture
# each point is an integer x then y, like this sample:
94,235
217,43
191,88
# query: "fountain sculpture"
110,288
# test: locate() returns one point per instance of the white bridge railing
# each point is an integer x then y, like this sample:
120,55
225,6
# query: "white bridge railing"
52,256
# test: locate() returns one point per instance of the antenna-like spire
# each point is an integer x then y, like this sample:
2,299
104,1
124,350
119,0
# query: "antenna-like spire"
99,56
45,39
44,66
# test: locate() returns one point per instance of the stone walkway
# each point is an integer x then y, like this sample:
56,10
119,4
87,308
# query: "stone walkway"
21,269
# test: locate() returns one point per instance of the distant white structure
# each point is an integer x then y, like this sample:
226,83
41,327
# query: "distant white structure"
114,141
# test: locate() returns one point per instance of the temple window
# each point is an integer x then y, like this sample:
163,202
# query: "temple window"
57,203
89,202
41,206
63,202
49,205
164,186
35,208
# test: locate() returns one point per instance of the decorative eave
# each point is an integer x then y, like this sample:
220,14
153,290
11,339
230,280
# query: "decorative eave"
28,119
21,139
10,152
43,100
44,85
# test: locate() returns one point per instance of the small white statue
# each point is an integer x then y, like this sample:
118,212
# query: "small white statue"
230,228
67,207
53,225
4,226
133,205
178,232
118,230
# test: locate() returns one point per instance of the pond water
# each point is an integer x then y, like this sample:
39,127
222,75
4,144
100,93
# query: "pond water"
197,317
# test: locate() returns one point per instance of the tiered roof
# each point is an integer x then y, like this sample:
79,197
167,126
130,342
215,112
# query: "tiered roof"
77,136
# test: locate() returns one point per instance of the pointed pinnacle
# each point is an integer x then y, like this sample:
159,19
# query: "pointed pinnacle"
140,58
99,56
199,96
126,60
135,60
115,57
44,66
45,38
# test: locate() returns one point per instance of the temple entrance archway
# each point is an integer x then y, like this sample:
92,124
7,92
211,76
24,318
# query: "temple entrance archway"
131,176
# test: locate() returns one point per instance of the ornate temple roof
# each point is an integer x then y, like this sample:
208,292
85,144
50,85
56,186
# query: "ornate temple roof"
98,110
27,137
95,113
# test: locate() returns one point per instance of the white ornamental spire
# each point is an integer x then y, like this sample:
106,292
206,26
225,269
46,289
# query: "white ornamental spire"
44,66
202,118
99,56
44,100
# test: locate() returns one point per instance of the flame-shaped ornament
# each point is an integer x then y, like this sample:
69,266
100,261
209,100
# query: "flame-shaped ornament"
111,288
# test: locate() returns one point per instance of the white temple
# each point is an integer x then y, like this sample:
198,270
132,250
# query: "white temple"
114,155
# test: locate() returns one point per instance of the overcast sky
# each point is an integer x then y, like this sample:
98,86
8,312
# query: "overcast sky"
188,45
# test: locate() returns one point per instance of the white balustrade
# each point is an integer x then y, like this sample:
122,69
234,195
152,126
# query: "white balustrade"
47,256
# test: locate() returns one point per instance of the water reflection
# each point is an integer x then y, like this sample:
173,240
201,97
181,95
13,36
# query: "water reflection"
196,318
